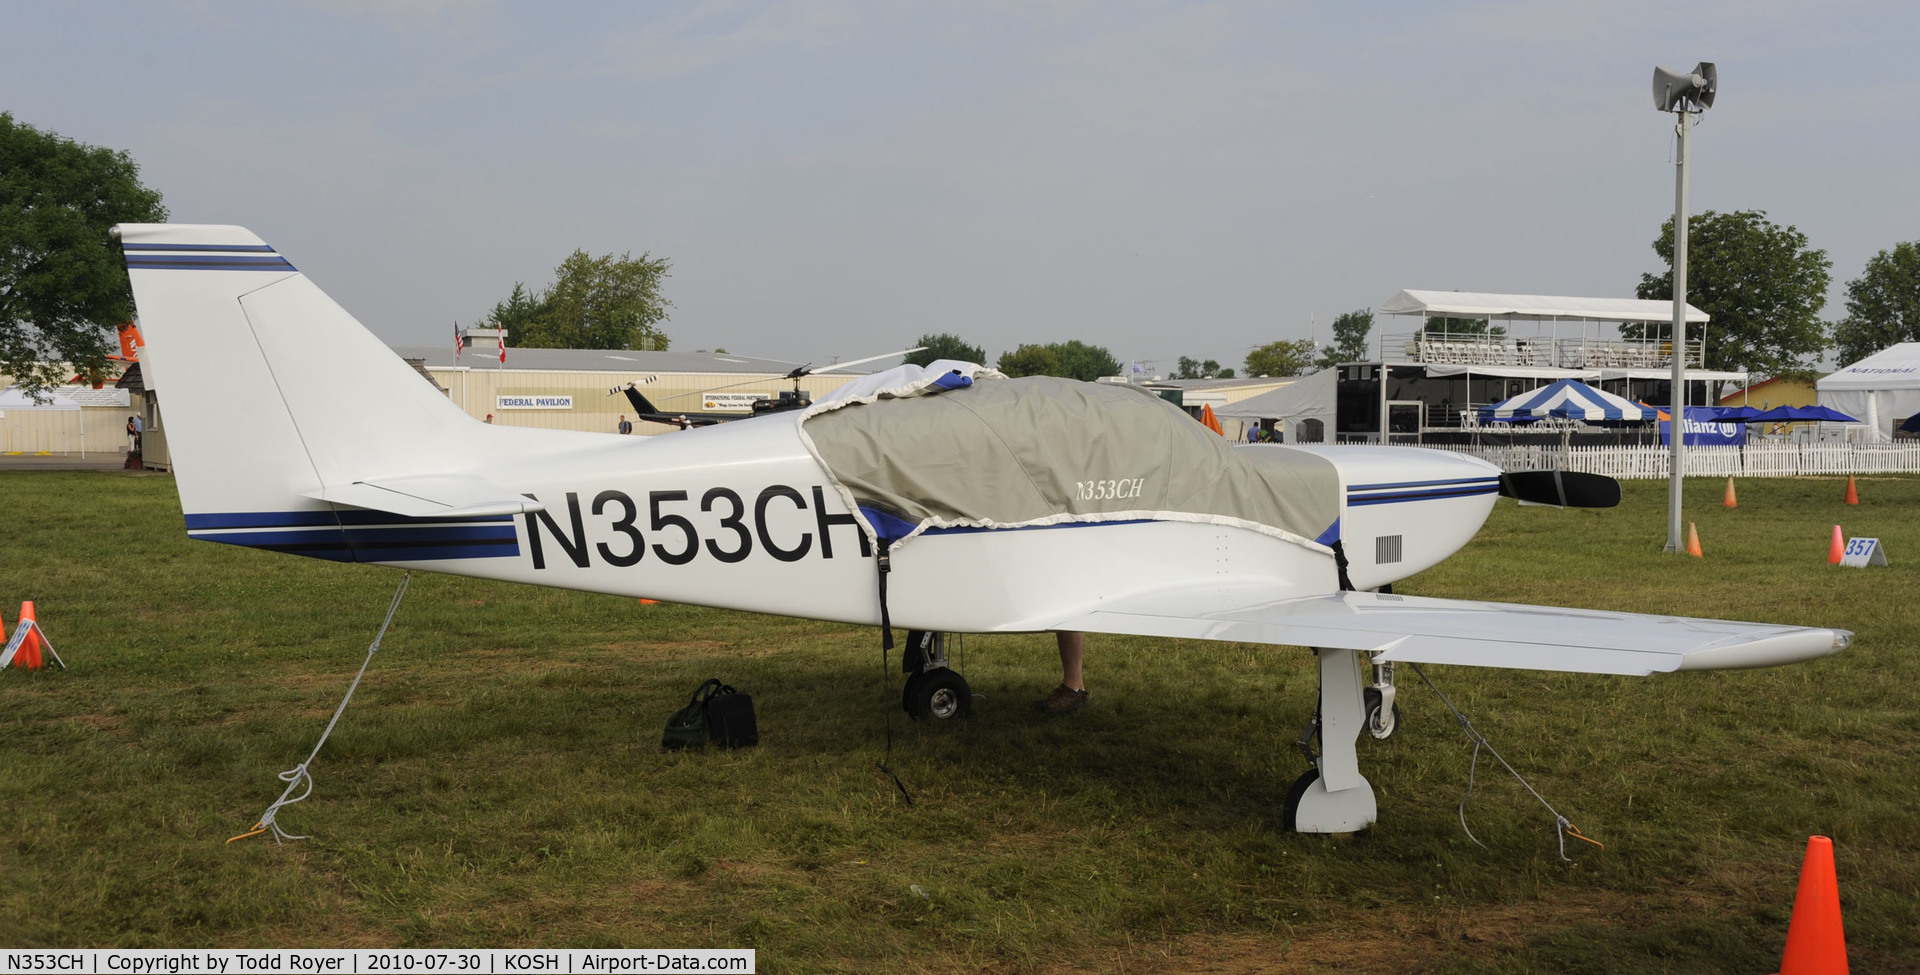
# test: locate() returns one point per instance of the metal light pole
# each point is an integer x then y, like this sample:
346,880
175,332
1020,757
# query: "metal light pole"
1681,94
1677,400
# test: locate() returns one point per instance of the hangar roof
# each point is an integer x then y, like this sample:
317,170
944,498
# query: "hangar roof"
482,356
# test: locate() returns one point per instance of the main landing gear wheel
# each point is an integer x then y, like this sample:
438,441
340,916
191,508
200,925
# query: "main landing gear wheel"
1333,797
1380,725
1290,809
940,695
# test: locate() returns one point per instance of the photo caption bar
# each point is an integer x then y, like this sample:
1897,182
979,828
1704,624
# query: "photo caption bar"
327,961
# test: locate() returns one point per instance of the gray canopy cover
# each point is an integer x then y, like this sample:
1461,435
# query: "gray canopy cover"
1010,453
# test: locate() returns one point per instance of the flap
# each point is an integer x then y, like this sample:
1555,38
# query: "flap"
430,496
1447,631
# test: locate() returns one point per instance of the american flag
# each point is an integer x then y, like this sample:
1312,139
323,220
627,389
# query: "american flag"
459,342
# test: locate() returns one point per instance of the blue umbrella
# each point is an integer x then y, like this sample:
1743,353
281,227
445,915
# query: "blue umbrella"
1730,414
1802,414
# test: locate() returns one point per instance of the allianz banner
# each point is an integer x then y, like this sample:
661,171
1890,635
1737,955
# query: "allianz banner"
1703,432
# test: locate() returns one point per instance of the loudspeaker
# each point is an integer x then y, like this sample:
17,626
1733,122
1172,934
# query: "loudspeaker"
1672,88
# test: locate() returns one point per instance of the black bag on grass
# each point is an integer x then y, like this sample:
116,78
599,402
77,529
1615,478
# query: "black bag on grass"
716,713
688,726
730,719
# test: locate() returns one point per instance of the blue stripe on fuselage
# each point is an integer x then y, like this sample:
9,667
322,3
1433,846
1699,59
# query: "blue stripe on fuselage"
360,535
1401,491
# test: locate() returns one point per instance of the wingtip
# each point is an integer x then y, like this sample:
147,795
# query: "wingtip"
1784,648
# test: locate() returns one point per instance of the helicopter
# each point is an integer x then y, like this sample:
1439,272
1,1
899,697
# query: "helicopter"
780,401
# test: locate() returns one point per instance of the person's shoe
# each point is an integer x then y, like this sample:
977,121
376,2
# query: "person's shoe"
1063,700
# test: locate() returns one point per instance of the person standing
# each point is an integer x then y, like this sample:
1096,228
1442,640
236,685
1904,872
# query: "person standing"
625,427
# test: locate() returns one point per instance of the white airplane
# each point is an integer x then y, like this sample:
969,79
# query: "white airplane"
951,501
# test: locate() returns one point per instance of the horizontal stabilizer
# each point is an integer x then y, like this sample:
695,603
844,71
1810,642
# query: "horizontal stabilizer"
430,496
1447,631
1562,489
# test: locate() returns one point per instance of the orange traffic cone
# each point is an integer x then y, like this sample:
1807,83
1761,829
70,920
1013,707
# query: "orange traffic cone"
30,647
1816,943
1836,548
1730,501
644,601
1693,540
1853,495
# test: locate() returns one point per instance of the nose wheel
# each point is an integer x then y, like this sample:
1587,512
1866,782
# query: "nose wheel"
1382,718
1383,714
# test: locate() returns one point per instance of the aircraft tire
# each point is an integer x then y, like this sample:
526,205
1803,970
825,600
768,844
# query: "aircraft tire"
1290,809
909,695
1372,697
939,695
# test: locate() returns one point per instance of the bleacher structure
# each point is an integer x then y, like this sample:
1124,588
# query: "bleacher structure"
1585,351
1501,350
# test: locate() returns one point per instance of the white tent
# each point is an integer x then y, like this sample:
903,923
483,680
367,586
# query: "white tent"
1308,398
1882,389
1568,399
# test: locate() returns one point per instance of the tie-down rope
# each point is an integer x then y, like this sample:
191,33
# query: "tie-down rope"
1562,826
298,775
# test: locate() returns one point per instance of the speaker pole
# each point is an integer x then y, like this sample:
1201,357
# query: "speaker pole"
1677,401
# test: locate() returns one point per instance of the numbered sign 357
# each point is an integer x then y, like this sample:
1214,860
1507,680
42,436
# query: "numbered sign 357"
1863,552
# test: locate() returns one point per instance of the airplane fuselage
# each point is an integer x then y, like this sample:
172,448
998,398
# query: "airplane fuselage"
741,516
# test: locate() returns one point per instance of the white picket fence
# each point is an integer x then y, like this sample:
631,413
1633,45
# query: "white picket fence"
1752,460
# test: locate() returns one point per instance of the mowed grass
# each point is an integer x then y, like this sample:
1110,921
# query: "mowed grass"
497,779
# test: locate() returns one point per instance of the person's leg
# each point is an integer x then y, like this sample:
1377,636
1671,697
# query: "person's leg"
1073,647
1071,695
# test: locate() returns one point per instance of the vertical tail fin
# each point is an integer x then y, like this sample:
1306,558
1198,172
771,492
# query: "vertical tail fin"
273,397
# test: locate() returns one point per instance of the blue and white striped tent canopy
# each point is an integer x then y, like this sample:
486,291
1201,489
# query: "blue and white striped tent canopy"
1567,399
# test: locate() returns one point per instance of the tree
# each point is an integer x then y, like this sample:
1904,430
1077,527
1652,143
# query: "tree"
594,303
944,346
1281,358
1072,359
1084,362
63,281
1759,282
1190,369
1224,374
1350,333
516,314
1029,360
1883,305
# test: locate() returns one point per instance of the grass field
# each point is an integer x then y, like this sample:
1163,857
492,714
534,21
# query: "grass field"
497,780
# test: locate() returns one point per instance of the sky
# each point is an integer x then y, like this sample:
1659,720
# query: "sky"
837,179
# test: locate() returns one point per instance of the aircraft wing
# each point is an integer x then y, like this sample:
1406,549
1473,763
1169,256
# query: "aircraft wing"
1418,629
429,496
